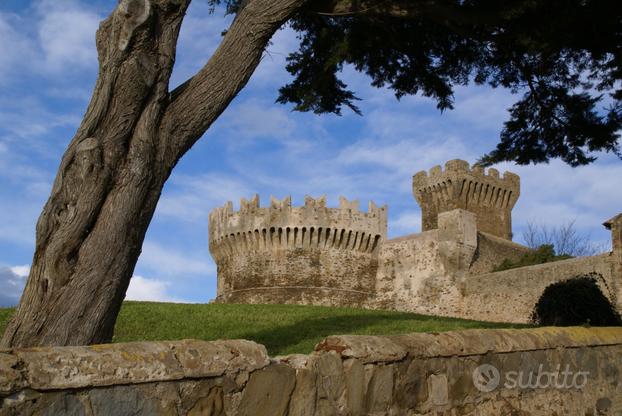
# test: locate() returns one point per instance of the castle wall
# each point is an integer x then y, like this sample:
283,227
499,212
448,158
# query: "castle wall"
303,255
425,273
564,371
412,275
422,274
492,250
310,276
511,295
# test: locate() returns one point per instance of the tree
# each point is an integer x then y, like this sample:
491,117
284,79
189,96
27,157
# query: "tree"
565,239
89,235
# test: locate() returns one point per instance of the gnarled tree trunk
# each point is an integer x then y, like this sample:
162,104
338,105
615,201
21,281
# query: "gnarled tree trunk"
90,233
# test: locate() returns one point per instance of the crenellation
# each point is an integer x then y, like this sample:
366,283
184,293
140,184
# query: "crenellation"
478,170
315,202
352,206
457,165
281,204
436,171
485,193
461,166
249,206
251,215
279,245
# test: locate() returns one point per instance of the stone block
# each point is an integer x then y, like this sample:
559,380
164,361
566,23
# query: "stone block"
122,400
379,395
50,368
11,379
208,359
367,349
268,391
355,386
303,400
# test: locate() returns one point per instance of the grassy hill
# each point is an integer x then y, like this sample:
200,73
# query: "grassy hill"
283,329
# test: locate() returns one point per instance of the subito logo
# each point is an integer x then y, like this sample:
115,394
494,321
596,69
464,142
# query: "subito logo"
486,378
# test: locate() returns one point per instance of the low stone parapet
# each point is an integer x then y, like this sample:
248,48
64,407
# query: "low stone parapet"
540,371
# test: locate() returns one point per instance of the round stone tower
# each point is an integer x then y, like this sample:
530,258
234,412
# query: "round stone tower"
489,196
303,255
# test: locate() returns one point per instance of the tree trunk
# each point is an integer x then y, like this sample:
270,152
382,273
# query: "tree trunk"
90,233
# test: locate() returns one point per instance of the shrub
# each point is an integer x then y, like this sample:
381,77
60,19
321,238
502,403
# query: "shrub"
576,301
543,254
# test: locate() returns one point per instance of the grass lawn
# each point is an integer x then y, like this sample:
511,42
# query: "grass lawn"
283,329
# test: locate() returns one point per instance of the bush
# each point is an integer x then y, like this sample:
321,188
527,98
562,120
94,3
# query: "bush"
576,301
543,254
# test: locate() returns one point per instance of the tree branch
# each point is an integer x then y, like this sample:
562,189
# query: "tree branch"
442,12
198,102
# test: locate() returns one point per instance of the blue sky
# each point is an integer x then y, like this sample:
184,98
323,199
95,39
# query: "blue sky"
48,66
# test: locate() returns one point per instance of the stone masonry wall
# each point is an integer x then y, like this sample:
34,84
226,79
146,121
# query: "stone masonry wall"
491,251
530,372
426,272
511,295
487,195
303,255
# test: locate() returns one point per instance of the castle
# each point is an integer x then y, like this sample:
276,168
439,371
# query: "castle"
341,256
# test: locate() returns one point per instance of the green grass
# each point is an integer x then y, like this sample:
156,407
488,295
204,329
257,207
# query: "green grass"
283,329
5,314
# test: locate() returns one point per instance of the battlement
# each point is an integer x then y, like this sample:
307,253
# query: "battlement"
462,168
280,225
487,194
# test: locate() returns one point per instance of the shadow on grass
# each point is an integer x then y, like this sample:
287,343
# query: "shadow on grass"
283,329
302,336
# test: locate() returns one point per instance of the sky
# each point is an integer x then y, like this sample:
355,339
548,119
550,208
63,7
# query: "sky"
48,66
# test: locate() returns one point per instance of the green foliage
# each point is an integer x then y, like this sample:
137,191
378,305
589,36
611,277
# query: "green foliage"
576,301
563,56
283,329
543,254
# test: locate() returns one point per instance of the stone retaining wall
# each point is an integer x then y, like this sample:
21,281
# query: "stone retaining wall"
511,295
574,371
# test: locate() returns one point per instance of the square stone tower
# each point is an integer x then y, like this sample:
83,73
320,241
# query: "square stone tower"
487,195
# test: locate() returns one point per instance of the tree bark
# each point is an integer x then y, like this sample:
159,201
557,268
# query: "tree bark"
90,233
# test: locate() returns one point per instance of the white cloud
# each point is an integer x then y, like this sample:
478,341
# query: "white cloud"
27,117
13,280
16,49
67,36
482,107
254,119
406,156
190,198
407,222
153,290
169,261
21,271
12,284
555,193
55,37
